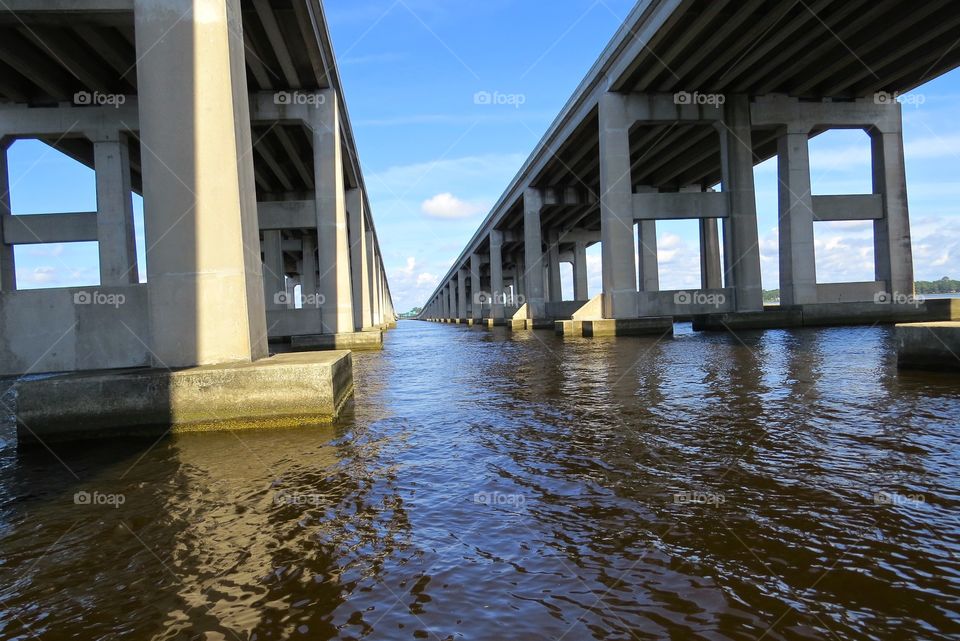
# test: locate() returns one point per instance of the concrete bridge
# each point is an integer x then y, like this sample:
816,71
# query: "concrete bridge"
668,124
229,118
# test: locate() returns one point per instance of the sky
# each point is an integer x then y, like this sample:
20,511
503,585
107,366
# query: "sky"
436,159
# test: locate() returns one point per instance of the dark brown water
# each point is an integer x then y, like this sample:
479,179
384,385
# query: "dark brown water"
487,485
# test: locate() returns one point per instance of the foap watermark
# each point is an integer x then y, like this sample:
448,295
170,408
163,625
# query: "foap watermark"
499,499
299,98
98,498
499,298
99,99
699,498
497,99
900,500
898,298
286,299
99,298
296,498
911,99
713,299
697,98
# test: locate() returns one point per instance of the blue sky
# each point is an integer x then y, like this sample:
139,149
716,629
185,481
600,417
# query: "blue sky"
435,162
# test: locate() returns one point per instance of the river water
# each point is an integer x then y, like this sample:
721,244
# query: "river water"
490,485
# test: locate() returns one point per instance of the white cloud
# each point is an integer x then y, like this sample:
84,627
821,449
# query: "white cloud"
427,278
448,206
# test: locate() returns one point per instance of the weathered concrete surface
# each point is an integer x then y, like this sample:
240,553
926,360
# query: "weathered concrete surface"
282,391
930,346
568,328
75,328
833,314
357,341
653,325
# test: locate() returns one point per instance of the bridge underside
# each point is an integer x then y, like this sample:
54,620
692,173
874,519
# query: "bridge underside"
228,117
687,98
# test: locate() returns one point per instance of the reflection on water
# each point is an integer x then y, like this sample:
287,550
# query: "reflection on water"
489,485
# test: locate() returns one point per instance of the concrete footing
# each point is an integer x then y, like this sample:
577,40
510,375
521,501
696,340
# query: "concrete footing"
832,314
494,322
929,346
357,341
530,323
287,390
654,325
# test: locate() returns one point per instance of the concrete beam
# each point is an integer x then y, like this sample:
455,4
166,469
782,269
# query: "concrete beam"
91,122
680,206
67,6
37,229
849,207
802,117
669,108
287,214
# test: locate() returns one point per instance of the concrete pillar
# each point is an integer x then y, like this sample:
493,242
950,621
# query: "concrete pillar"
476,288
335,283
648,267
798,263
533,253
8,268
741,240
369,275
377,286
616,209
496,275
273,274
893,252
581,290
461,294
358,259
710,275
199,190
553,267
451,300
308,271
520,280
115,234
444,302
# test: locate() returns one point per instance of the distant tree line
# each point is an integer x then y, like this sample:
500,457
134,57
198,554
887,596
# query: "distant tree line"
945,285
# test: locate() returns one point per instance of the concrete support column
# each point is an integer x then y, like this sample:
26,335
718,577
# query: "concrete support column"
8,268
369,275
476,287
893,252
497,288
520,279
616,209
377,289
308,271
741,240
199,190
648,267
273,274
451,300
332,227
711,277
115,234
533,253
580,282
798,263
358,259
445,302
553,267
461,294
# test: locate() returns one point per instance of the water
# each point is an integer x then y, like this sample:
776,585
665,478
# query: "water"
488,485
